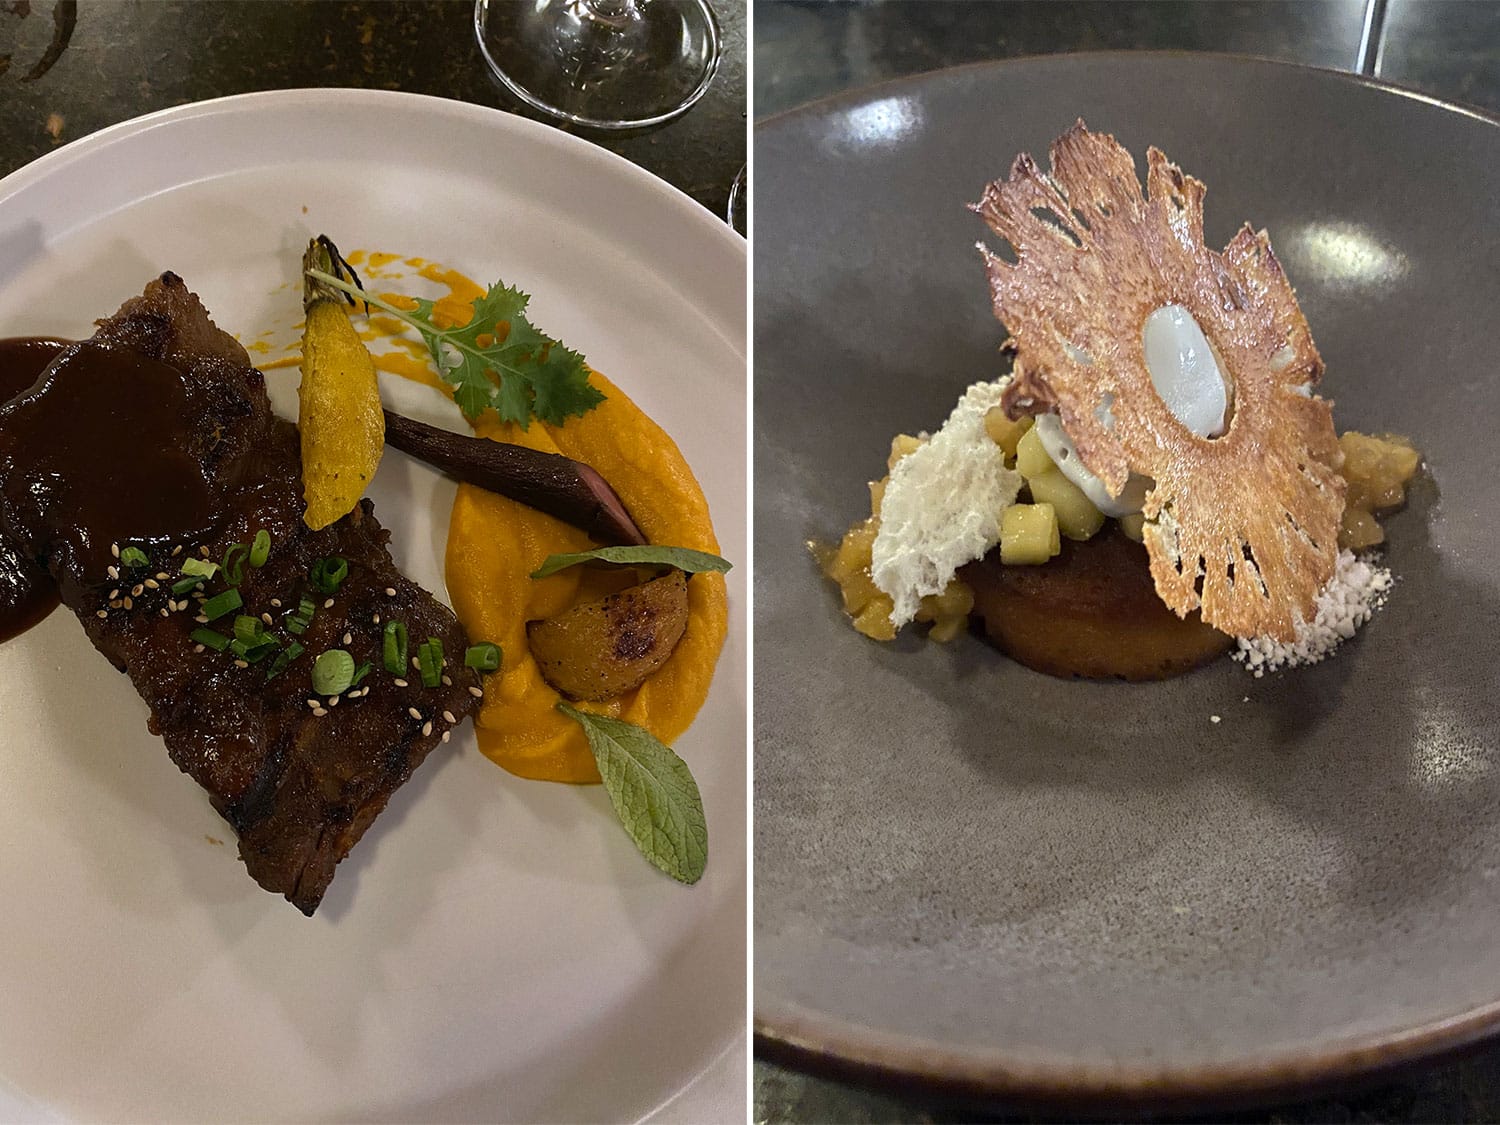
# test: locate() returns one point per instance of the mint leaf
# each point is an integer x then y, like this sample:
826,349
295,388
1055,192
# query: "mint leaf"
683,558
653,793
499,360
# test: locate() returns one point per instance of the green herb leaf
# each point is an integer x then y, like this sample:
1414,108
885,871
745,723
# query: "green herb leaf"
498,359
653,793
133,557
684,559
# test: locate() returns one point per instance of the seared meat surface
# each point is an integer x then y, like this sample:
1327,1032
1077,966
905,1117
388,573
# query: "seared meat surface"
298,776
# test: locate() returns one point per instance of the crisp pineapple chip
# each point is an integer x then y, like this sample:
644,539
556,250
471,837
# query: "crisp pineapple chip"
1243,526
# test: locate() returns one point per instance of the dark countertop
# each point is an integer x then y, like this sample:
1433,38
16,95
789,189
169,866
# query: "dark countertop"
129,57
1447,48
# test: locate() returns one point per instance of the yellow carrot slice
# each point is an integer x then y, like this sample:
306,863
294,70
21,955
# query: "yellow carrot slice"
343,429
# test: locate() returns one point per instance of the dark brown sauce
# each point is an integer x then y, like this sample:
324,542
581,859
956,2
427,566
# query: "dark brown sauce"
97,453
27,592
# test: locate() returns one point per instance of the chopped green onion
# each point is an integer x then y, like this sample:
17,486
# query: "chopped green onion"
283,658
199,568
260,550
183,585
133,556
252,652
209,639
220,604
333,672
361,672
394,654
251,630
302,618
430,662
234,563
484,657
329,574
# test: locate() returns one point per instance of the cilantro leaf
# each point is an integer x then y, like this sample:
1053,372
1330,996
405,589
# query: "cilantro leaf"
499,360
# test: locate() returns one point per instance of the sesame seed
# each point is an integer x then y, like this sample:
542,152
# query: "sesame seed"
177,550
447,681
399,682
165,612
114,549
333,701
152,584
276,603
203,551
348,638
447,734
242,664
136,590
162,576
1214,718
426,729
375,620
201,619
101,613
415,663
414,713
328,604
127,603
198,648
390,591
319,713
114,572
115,603
115,593
448,717
477,693
266,617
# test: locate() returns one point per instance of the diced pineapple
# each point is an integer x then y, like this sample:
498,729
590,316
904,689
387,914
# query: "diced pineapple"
1031,456
1077,518
1133,525
1003,432
1028,534
1359,530
874,621
901,445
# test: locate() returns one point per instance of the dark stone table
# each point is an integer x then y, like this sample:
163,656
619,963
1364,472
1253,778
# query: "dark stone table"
806,50
124,58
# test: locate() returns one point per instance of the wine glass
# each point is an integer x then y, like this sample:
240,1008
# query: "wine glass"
602,64
738,211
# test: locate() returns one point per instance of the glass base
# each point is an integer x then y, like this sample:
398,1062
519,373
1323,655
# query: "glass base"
602,64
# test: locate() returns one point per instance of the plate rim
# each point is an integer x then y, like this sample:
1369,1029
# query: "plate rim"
536,131
732,331
792,1035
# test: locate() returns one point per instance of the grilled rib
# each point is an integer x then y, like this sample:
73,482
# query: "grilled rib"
299,783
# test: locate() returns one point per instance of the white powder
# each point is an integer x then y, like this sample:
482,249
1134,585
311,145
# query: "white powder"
942,505
1350,598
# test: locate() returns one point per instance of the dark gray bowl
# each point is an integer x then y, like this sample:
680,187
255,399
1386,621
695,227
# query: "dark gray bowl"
973,876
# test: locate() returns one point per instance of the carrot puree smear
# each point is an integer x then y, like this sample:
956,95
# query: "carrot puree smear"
494,544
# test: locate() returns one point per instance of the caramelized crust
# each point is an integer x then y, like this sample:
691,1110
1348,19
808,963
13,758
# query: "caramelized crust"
1243,526
1092,611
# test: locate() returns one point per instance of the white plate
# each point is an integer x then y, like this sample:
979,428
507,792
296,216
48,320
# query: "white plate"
494,948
